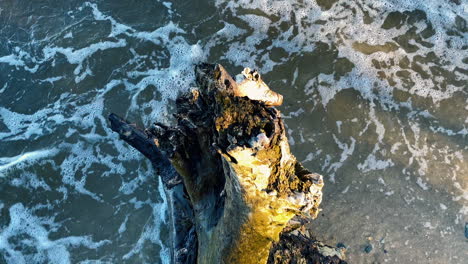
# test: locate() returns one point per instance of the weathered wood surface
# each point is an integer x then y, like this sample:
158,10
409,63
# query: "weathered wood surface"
183,236
230,153
297,246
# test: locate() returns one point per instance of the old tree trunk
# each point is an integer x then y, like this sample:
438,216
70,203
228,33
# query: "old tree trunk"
236,193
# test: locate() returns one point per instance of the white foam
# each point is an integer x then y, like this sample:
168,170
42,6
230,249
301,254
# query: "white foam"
381,181
345,33
296,73
32,228
123,226
80,155
250,45
379,127
18,59
345,190
419,150
291,140
12,60
429,225
395,147
81,158
296,113
449,132
27,127
462,198
373,163
169,81
168,5
347,152
4,87
31,181
52,79
311,156
464,210
117,28
77,56
422,184
152,230
324,84
24,159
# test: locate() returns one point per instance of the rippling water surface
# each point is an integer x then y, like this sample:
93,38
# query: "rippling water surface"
376,99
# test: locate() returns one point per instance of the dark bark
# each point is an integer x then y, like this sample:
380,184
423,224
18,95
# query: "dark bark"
231,156
297,248
183,236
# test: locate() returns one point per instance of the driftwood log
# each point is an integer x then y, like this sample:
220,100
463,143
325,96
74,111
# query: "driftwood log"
236,193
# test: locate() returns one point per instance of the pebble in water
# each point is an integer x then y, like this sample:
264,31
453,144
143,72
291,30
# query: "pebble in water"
466,229
340,245
368,248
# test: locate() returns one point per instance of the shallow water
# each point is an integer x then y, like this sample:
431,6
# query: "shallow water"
376,100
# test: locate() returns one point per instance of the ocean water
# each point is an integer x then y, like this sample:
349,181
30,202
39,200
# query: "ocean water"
375,99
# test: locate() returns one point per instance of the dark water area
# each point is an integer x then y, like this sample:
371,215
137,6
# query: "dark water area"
376,100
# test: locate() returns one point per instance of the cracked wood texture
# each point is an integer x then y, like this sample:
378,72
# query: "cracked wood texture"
232,157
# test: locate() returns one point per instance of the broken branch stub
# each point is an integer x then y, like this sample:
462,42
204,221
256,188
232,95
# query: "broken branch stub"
231,149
